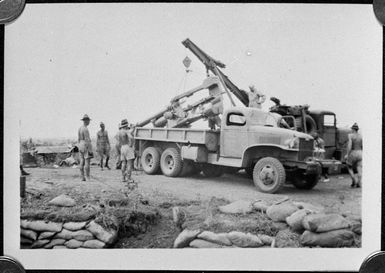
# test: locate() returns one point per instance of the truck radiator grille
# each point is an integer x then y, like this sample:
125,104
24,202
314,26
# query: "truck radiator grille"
305,148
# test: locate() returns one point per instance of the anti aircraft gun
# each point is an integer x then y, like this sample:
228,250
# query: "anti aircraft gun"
176,116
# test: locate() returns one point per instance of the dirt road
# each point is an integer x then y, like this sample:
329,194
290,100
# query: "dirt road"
335,196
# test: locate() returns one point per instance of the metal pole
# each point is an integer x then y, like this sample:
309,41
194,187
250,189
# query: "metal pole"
224,86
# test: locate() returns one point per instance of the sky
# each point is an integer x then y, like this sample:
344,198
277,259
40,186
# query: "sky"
115,61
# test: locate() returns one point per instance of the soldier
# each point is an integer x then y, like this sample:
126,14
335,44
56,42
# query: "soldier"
103,145
256,98
117,150
354,156
127,154
85,148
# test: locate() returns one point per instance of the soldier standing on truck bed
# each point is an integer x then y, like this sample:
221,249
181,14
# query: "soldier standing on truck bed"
127,153
354,156
256,98
103,145
85,148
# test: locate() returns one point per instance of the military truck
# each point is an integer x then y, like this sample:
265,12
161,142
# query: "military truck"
248,138
299,117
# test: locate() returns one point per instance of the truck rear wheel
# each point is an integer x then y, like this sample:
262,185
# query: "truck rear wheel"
150,160
269,175
210,170
171,162
306,182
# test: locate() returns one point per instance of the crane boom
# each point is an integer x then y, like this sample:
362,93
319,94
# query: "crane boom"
213,65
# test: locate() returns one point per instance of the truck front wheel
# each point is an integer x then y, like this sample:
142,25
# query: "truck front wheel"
171,162
269,175
150,160
307,182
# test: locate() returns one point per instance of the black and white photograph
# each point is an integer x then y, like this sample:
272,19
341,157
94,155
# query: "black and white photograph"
194,136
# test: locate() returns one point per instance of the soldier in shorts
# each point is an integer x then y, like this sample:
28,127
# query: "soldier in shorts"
85,148
103,145
354,156
127,153
117,150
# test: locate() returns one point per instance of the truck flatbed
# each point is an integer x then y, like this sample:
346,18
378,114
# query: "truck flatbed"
209,138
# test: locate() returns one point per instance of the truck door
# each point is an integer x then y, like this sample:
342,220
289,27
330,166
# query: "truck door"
329,134
234,135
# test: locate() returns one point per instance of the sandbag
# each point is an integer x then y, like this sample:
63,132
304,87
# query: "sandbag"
356,227
64,234
199,243
312,208
217,238
73,244
260,205
74,226
185,237
279,212
83,235
55,242
240,206
40,243
334,238
46,235
244,239
104,235
62,201
25,241
30,234
324,222
266,239
286,239
94,244
41,225
295,220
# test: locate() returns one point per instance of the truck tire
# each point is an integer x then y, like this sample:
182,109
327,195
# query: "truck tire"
269,175
171,162
150,160
210,170
306,182
310,124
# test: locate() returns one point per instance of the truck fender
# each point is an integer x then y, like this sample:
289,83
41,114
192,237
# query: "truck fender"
263,150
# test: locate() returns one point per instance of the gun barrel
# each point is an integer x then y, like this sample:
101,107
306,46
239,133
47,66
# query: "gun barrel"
153,117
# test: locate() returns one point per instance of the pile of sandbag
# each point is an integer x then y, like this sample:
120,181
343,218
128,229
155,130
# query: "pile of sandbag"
208,239
317,227
47,234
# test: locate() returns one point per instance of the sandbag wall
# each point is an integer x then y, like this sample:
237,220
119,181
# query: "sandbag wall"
300,224
72,235
317,228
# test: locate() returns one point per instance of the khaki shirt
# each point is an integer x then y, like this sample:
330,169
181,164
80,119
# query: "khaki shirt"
102,139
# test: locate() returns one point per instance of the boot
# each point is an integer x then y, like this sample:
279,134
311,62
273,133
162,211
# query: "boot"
22,171
119,165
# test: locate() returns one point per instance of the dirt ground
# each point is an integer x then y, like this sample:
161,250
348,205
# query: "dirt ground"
195,194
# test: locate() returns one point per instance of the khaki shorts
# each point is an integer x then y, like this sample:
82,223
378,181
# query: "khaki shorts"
354,158
104,150
127,153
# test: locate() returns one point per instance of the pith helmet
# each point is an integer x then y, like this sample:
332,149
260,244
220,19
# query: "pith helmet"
355,126
86,117
124,124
